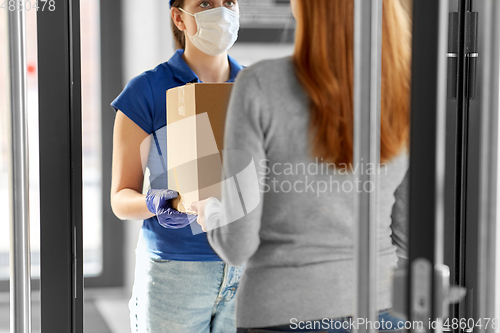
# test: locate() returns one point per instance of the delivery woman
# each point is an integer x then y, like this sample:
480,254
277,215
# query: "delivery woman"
181,285
289,150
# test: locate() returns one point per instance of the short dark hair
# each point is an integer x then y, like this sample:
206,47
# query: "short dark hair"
179,37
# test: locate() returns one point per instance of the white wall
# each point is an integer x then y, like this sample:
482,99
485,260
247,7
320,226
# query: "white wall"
147,35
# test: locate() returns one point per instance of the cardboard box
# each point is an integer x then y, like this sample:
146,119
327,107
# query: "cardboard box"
196,114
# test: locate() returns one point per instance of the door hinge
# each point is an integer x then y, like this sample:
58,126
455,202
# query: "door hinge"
452,55
471,52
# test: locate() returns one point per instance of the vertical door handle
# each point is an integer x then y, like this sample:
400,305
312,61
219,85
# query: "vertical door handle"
444,293
421,292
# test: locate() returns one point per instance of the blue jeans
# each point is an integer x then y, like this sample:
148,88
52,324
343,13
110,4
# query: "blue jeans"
183,296
387,322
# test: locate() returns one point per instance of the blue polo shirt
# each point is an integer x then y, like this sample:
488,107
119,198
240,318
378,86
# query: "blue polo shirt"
143,100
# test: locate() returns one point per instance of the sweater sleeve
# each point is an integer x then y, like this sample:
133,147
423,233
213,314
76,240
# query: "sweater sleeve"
400,223
233,225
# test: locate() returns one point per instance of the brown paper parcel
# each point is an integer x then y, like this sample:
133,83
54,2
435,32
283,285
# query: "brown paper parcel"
196,114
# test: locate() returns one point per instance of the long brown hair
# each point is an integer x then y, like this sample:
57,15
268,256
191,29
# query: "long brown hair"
323,61
179,37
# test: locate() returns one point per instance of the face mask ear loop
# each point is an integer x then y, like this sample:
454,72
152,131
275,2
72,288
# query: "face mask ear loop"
182,10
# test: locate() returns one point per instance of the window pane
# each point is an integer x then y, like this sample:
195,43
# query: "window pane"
91,129
32,105
4,189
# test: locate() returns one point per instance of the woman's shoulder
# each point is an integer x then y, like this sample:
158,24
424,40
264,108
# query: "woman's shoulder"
401,159
153,82
162,72
153,75
270,69
142,79
266,64
397,166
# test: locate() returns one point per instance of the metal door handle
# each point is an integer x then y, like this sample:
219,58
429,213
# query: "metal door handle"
421,291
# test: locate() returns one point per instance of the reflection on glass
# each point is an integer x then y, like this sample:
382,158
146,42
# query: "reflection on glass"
4,190
32,104
92,219
91,131
32,110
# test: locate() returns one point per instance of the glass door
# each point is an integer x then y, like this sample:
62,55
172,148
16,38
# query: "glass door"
451,276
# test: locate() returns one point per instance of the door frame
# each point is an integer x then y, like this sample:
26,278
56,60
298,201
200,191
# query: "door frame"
61,247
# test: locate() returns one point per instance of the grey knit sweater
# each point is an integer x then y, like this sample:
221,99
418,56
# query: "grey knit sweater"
289,216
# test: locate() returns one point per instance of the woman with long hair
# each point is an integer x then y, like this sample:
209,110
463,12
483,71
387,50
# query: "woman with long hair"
181,285
287,200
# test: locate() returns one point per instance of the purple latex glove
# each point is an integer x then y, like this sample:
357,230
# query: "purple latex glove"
159,203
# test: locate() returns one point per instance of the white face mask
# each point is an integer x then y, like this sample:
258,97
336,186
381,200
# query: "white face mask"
217,30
